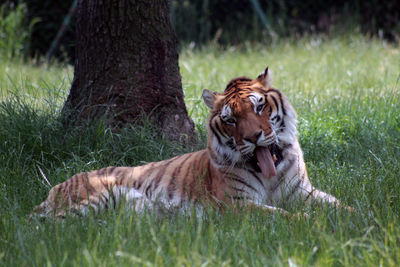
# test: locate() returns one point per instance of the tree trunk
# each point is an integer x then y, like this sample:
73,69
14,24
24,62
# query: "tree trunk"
127,65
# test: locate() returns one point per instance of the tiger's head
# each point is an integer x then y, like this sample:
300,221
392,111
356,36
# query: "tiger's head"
249,122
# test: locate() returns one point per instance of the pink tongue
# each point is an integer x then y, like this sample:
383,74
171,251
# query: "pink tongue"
265,162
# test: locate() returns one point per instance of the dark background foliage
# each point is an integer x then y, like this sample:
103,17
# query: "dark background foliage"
232,21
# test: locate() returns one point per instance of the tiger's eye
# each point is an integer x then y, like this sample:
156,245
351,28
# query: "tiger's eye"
259,108
231,120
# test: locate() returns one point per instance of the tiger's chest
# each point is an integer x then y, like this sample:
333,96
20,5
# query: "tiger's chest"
247,184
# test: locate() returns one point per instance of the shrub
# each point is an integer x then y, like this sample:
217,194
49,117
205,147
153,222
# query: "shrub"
15,31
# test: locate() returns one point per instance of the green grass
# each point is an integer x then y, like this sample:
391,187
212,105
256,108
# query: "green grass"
346,93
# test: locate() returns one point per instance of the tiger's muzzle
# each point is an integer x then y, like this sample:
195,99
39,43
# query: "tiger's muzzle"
260,147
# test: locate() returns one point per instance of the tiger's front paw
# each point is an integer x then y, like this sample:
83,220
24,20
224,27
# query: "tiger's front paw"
300,216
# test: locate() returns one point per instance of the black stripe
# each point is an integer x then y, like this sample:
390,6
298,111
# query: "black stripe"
78,180
110,170
185,188
275,91
213,116
90,188
156,181
239,198
178,169
94,203
309,194
114,199
219,129
280,98
237,189
101,172
147,192
282,126
104,199
215,133
243,182
57,196
139,183
237,80
255,175
235,93
171,188
160,172
281,178
65,187
231,144
275,102
294,189
283,109
285,147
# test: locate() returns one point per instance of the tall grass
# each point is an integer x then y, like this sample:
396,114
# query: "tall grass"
346,93
15,31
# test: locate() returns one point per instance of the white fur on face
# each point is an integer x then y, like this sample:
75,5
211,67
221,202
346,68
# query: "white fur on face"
226,112
247,148
266,140
257,99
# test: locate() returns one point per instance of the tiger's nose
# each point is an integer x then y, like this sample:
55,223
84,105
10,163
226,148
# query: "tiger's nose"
254,137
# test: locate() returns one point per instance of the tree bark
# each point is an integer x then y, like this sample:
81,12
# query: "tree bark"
127,65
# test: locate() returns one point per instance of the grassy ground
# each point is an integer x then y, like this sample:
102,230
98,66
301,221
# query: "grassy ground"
346,93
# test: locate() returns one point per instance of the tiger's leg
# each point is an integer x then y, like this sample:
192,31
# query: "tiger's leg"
299,189
302,190
314,195
275,210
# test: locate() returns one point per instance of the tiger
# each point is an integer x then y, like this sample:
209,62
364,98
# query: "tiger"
253,159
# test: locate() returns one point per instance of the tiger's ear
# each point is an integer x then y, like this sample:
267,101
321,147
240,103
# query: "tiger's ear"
209,98
265,78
